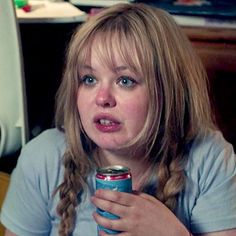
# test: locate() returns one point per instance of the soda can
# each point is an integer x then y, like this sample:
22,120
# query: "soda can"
117,178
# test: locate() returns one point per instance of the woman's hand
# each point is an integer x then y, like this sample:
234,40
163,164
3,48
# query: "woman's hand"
140,214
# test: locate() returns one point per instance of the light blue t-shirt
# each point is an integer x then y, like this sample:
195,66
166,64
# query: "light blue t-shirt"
207,203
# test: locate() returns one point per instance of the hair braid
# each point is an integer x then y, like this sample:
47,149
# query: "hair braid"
68,192
170,174
171,180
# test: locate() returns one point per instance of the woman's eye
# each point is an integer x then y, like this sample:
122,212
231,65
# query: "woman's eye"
88,80
127,81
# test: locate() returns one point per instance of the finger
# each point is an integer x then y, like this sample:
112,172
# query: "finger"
117,224
102,233
108,206
121,198
148,197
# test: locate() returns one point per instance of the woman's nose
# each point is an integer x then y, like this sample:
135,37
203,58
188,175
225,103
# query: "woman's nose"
105,98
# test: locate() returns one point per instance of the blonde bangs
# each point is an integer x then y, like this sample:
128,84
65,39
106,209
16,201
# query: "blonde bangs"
109,42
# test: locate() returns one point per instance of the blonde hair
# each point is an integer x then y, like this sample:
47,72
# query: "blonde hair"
152,44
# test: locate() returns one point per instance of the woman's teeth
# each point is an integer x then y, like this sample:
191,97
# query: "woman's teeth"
105,122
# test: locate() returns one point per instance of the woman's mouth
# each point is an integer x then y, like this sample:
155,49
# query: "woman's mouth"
107,124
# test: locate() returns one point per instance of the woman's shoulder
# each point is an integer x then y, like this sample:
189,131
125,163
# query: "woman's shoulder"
210,141
49,140
48,137
209,151
38,172
47,149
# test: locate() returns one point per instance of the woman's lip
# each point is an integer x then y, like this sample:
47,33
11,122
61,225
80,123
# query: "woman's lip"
107,123
106,117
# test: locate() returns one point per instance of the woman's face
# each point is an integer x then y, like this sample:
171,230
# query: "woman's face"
112,103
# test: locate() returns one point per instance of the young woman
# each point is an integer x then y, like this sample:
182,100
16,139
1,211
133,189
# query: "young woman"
134,94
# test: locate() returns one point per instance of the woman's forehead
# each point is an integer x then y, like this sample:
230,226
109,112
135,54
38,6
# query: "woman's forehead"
112,53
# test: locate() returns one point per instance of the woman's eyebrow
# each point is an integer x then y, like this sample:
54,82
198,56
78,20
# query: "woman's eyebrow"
86,67
120,68
116,69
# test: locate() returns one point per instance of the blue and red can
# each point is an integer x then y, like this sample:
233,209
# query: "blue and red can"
116,178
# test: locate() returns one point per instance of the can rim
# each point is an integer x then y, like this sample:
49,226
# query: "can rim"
113,170
113,177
